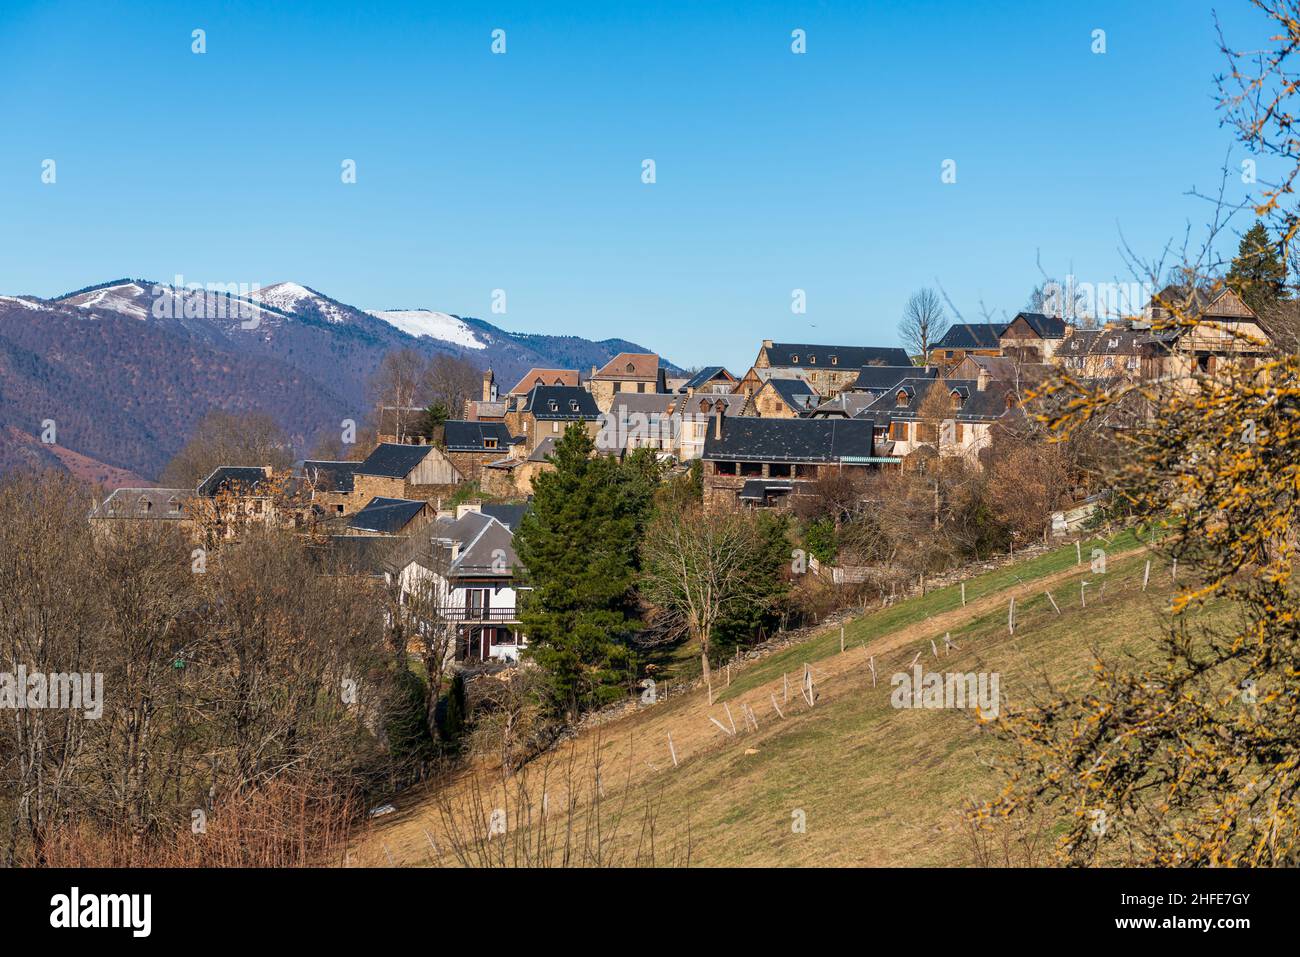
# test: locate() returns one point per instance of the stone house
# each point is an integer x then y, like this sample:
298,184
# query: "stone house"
635,372
405,472
547,410
761,462
828,369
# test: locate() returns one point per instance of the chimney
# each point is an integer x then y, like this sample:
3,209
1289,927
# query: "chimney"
767,343
455,550
717,426
488,386
463,510
983,379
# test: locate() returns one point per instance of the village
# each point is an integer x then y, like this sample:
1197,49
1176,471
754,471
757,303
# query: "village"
433,516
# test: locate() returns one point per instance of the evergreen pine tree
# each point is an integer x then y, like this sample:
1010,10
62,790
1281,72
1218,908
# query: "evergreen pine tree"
1258,274
578,544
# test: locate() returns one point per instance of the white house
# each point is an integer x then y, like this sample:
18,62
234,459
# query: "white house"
464,564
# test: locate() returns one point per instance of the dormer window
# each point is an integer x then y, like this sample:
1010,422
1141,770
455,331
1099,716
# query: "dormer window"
489,443
555,406
173,504
794,360
573,405
835,360
901,399
956,400
1113,344
145,504
631,367
812,360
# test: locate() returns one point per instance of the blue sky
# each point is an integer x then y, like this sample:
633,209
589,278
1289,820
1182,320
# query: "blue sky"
522,171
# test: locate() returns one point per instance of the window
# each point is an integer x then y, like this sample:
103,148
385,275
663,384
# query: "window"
490,443
145,504
901,399
640,387
835,360
573,405
955,400
478,602
338,509
794,360
1108,362
812,360
898,431
555,406
618,386
631,368
555,426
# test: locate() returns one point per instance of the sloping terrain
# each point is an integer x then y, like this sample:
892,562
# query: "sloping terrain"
874,784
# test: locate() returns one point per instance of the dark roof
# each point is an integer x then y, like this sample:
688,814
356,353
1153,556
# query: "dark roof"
328,476
797,393
461,436
746,438
1106,342
485,547
846,404
703,376
804,354
758,490
971,335
544,448
244,479
1047,327
388,515
880,378
561,402
393,460
508,515
976,405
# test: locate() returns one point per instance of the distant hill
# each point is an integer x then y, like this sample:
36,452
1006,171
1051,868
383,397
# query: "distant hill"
127,368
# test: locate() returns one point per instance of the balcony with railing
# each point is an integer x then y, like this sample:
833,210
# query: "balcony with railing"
477,614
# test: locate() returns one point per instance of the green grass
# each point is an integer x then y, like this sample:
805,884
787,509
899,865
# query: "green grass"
884,786
912,611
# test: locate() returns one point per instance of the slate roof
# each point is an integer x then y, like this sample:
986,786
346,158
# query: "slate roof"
462,436
150,503
393,460
328,476
547,377
508,515
1106,342
976,406
971,335
646,402
731,403
758,490
486,547
703,376
879,378
387,515
244,479
797,393
544,448
804,354
1047,327
644,365
846,404
750,439
570,403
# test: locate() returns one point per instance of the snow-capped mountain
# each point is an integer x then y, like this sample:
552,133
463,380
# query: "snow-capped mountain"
434,325
127,368
293,297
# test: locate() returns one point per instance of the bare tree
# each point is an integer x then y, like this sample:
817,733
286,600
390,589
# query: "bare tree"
699,566
923,324
224,438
